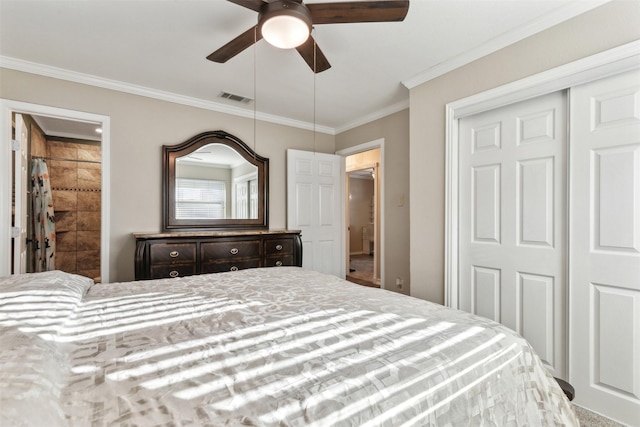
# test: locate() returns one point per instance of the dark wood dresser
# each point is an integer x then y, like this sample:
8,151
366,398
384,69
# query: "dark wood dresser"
176,254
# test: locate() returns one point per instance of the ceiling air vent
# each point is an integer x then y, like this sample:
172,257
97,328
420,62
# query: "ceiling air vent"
234,97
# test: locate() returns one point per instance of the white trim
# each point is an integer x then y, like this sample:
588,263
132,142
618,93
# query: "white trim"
87,79
6,107
570,10
387,111
5,191
372,145
451,210
601,65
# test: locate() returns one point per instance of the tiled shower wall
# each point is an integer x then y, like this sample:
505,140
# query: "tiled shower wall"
75,175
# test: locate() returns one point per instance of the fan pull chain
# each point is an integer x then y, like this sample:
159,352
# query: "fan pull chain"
255,41
315,47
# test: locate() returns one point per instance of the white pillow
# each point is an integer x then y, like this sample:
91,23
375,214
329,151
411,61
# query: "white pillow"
33,370
57,282
40,302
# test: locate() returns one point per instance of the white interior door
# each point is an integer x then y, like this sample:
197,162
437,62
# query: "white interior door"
21,188
512,221
605,246
315,206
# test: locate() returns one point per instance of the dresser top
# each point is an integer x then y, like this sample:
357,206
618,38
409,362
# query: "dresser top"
230,233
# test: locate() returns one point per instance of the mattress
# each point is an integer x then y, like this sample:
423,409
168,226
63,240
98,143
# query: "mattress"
264,347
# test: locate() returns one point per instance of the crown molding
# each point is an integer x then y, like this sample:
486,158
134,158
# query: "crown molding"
399,106
549,20
87,79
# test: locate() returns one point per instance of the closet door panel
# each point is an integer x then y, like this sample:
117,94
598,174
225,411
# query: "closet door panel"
536,207
616,209
486,204
486,292
616,320
512,221
536,306
605,246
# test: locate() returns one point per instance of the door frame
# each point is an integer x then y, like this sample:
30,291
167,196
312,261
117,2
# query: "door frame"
367,146
7,107
614,61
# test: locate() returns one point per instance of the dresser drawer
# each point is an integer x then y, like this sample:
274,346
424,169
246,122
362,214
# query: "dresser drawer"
278,247
163,253
230,250
184,254
279,261
220,266
176,270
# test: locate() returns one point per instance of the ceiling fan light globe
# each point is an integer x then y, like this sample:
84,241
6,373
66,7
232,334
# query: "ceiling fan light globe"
285,31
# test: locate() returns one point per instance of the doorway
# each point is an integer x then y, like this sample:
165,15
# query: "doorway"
66,142
64,172
361,190
363,231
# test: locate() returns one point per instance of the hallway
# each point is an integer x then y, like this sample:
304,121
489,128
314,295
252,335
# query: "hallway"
361,270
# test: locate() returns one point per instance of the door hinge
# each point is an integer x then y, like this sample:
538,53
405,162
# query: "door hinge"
15,145
15,232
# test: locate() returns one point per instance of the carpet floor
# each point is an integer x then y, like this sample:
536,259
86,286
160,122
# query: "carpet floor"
591,419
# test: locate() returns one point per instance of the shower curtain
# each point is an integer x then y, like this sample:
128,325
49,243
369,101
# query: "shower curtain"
43,220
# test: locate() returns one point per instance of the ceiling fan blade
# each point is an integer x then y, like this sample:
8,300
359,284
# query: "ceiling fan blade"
236,45
358,11
249,4
306,51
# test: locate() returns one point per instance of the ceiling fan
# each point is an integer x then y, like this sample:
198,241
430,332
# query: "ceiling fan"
287,24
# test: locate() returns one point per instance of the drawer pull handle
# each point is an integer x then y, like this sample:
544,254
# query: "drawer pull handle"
278,247
173,273
233,268
279,263
234,251
174,254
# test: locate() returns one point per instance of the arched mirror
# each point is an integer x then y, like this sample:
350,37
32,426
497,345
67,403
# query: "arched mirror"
214,181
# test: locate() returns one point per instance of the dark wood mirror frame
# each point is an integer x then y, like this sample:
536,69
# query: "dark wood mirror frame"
169,155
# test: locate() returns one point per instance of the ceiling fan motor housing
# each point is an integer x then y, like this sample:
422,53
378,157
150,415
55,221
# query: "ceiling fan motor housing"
281,8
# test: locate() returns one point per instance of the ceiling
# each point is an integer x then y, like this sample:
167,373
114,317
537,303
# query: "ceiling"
69,128
217,155
158,48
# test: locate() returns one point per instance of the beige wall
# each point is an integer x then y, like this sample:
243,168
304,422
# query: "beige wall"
605,27
139,128
394,129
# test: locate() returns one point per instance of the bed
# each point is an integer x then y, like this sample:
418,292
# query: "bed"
264,347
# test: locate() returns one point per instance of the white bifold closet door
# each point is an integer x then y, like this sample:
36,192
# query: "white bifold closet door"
605,246
512,223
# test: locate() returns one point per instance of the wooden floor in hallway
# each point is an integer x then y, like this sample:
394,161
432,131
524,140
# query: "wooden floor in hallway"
361,270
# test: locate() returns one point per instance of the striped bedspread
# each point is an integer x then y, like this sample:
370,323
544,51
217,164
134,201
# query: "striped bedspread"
258,347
